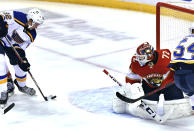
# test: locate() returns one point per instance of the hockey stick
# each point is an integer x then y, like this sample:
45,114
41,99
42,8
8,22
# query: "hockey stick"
107,73
20,59
129,100
8,108
143,105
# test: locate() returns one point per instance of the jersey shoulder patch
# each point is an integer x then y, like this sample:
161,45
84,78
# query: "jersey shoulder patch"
20,18
31,34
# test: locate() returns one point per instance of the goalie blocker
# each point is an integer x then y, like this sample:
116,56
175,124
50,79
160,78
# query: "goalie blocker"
172,109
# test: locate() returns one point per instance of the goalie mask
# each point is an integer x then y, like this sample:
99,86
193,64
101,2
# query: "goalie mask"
144,53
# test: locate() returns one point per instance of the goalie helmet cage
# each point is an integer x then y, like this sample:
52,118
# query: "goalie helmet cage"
173,21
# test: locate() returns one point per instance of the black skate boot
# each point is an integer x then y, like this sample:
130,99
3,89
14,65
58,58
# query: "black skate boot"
3,99
10,87
25,89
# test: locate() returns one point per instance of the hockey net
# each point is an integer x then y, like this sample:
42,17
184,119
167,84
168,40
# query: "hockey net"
173,21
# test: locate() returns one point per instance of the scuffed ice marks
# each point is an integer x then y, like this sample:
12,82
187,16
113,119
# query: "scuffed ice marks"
76,31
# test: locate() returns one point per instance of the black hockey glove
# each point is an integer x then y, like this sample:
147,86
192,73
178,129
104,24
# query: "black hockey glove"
174,66
14,60
3,29
25,66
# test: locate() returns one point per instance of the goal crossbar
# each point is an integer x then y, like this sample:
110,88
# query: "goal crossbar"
158,15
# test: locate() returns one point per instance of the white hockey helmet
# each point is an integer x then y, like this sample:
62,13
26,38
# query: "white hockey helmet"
36,16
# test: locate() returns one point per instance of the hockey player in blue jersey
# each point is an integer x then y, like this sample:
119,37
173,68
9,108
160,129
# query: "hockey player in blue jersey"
18,29
183,64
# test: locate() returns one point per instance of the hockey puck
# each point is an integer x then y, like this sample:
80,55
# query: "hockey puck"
53,97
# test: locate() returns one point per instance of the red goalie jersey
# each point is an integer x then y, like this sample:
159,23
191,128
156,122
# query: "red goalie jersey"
155,73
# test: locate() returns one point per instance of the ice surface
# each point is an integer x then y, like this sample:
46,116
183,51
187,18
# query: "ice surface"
68,56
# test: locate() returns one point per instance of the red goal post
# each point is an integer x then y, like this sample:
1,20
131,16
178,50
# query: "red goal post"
173,21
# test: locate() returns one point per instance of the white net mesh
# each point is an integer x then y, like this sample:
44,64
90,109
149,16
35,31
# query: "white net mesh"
187,5
174,25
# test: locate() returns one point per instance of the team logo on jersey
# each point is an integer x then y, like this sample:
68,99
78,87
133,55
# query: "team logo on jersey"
17,37
154,79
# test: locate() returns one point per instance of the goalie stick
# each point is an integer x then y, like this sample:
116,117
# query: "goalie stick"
20,59
129,100
126,99
144,106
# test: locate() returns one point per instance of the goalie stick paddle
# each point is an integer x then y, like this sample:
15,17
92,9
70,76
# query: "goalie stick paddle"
20,59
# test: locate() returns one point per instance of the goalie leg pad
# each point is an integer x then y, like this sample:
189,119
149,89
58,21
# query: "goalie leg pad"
131,91
151,104
182,108
141,112
118,105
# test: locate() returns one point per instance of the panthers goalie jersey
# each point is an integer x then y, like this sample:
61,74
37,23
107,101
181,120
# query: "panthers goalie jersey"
18,34
155,73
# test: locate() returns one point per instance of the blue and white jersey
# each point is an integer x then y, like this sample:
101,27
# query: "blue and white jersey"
184,52
17,34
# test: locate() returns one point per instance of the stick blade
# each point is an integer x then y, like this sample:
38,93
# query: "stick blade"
125,99
53,97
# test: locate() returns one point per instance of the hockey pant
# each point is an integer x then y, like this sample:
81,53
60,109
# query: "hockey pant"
185,81
3,71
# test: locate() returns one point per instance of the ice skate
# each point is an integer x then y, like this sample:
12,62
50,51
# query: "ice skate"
25,89
3,99
10,87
